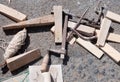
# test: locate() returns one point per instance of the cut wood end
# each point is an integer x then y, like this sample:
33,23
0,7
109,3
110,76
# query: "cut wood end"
62,56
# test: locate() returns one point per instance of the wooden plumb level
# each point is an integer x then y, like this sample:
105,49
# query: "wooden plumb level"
105,25
40,21
12,13
58,23
113,16
90,47
22,59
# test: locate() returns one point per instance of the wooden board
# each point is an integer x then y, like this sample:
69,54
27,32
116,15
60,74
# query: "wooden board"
58,23
40,21
12,13
85,30
111,37
90,47
113,53
22,59
113,16
105,25
18,78
35,74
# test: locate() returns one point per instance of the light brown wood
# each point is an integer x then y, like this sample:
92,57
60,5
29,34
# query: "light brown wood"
58,23
12,13
113,53
111,37
22,59
90,47
113,16
105,25
85,30
44,65
40,21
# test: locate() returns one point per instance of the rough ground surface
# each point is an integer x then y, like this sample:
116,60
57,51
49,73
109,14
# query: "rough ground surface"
82,66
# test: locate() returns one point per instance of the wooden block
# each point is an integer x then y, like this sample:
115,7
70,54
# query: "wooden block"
113,53
58,23
40,21
72,41
90,47
113,16
12,13
85,30
35,74
22,59
111,37
105,25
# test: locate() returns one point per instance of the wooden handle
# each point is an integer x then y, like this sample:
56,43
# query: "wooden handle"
45,62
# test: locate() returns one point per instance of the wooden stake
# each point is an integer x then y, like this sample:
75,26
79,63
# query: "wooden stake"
12,13
113,16
90,47
40,21
44,65
113,53
22,59
105,25
58,23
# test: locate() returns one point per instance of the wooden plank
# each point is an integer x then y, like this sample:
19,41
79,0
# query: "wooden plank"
58,23
85,30
40,21
22,59
72,41
35,74
113,53
111,37
113,16
105,25
12,13
90,47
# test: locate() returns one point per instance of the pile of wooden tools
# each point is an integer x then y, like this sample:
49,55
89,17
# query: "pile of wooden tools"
84,32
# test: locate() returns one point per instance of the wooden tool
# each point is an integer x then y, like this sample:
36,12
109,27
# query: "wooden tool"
58,23
40,21
113,16
78,23
62,56
22,59
44,65
105,25
90,47
12,13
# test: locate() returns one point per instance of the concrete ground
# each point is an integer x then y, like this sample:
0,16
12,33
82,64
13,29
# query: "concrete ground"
81,66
